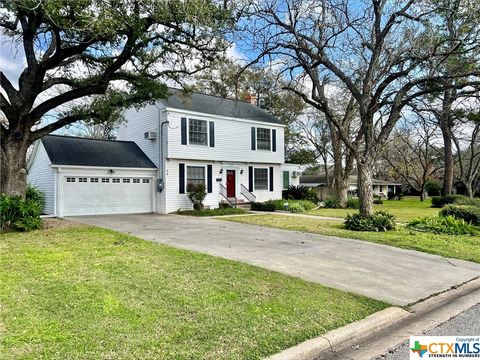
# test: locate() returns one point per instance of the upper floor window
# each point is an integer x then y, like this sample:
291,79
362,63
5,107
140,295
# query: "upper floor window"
195,175
197,132
263,139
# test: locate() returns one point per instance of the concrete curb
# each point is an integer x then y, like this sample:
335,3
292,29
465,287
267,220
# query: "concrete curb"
382,331
310,349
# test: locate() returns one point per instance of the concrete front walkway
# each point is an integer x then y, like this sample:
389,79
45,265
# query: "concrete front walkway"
382,272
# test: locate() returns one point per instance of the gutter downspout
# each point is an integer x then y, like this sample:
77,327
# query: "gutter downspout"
161,163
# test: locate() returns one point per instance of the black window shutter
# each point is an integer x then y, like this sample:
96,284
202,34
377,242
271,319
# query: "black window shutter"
274,140
209,179
181,178
254,135
212,134
271,178
250,178
184,131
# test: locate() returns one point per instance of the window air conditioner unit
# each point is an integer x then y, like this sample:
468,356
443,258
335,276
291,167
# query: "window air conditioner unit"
150,135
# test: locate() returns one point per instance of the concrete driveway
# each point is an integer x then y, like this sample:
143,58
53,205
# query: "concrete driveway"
382,272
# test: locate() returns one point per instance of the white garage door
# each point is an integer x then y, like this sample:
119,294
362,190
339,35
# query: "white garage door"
106,195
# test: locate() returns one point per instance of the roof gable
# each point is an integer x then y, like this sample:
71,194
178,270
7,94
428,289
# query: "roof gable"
76,151
215,105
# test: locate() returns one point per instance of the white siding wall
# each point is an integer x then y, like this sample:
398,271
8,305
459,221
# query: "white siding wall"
295,181
175,200
42,176
138,122
232,151
232,141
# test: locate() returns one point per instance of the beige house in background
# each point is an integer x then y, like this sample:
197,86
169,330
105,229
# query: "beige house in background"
318,183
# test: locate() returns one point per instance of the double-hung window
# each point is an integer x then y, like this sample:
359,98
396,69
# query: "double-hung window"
197,132
196,175
260,179
263,139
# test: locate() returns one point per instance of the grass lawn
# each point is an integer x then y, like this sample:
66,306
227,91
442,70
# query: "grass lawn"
404,210
459,246
88,293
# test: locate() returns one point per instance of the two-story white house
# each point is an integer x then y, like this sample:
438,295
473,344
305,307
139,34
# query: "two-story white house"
234,148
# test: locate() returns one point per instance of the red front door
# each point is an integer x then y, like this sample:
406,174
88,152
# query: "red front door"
230,183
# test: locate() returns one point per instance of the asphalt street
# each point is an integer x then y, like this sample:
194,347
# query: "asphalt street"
464,324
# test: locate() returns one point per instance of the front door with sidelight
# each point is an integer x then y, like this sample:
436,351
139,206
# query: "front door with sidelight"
230,183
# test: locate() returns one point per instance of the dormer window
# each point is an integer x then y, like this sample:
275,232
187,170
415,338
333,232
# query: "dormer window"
263,139
197,132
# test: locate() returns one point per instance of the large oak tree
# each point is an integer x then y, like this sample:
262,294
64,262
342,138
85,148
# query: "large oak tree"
380,51
85,59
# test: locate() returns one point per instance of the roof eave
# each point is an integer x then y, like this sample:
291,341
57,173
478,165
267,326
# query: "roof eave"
168,108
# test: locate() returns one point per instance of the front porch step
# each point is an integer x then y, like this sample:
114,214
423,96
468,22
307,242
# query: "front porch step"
244,205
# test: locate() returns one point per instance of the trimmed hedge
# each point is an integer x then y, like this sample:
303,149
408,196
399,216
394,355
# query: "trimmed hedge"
213,212
441,201
469,213
379,221
294,206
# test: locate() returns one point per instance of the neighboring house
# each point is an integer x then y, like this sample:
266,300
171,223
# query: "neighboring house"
318,183
234,148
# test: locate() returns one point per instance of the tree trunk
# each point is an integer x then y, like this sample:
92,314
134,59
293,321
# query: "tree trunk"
448,155
340,184
325,169
365,187
469,189
446,127
341,191
13,166
422,195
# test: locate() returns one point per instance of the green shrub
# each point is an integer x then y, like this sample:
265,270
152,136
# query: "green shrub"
379,221
35,195
442,225
468,201
353,203
295,206
432,188
19,215
298,206
378,201
440,201
300,193
331,203
213,212
469,213
265,206
196,194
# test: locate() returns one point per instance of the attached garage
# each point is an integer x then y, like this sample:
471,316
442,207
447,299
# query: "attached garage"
92,177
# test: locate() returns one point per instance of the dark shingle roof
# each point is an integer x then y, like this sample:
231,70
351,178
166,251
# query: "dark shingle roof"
68,150
217,106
